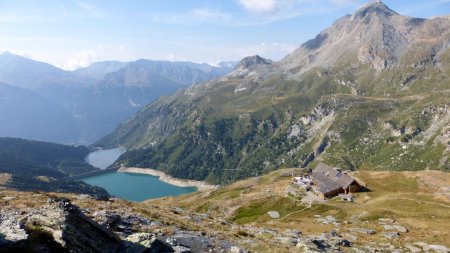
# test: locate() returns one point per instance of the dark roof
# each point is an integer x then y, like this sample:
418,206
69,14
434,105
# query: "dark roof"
330,179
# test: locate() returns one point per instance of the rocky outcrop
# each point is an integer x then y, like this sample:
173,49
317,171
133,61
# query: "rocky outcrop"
60,226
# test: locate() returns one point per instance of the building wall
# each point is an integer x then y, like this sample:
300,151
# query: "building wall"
334,193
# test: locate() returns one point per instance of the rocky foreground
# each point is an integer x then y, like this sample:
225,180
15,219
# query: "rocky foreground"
60,226
406,213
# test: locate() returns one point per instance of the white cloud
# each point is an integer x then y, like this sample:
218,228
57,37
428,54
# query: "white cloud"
85,58
80,60
259,5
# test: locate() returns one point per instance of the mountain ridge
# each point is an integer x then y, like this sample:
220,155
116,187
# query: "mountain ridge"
96,98
364,88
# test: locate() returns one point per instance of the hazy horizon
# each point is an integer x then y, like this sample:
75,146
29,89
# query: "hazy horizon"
75,34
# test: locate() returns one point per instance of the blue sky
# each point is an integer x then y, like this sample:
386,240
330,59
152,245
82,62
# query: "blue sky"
74,33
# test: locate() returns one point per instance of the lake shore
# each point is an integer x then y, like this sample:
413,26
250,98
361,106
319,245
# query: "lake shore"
200,185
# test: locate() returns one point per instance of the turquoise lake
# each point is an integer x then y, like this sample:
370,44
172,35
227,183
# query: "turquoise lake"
129,186
136,187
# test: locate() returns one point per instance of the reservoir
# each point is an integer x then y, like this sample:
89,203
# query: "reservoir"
136,187
129,186
103,158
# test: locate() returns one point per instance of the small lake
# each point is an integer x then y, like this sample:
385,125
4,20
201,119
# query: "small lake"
129,186
103,158
136,187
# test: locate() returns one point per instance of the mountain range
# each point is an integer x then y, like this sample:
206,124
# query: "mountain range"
46,103
369,92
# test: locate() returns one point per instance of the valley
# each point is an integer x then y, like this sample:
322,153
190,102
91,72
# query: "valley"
342,145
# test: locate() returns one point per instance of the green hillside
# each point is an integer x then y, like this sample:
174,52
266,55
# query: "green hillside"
374,95
34,166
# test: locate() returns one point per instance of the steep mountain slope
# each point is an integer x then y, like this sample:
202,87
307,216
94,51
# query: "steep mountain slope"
95,99
29,74
121,93
33,165
370,92
27,115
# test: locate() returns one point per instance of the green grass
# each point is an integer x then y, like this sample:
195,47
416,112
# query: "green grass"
257,211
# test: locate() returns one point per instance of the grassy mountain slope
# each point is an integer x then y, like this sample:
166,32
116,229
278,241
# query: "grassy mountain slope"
370,92
416,200
237,215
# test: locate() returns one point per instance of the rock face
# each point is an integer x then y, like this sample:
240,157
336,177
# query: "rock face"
377,35
60,226
57,226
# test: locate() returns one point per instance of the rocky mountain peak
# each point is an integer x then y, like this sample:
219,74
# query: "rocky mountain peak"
251,61
375,7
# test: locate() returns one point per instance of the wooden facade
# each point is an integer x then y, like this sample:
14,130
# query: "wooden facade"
329,182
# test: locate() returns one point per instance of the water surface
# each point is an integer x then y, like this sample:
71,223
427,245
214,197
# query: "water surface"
136,187
103,158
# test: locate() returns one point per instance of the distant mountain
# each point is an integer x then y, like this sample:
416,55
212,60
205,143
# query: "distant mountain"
84,105
146,73
120,94
34,166
227,64
29,74
369,92
27,115
99,70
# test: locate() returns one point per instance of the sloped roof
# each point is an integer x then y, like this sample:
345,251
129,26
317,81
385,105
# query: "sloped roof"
329,179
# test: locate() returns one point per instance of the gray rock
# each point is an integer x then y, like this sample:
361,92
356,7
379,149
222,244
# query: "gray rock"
439,248
330,218
391,235
11,229
8,198
399,228
274,214
235,249
287,241
412,248
384,221
363,231
73,230
139,237
181,249
292,233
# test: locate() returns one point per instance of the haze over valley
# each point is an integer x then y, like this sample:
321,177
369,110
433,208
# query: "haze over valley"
225,126
42,102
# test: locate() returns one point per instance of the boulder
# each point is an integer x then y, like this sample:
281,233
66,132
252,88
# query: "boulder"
71,229
58,226
274,214
12,230
439,248
8,198
391,235
363,231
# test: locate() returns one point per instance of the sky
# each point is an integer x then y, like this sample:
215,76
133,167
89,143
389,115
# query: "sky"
75,33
